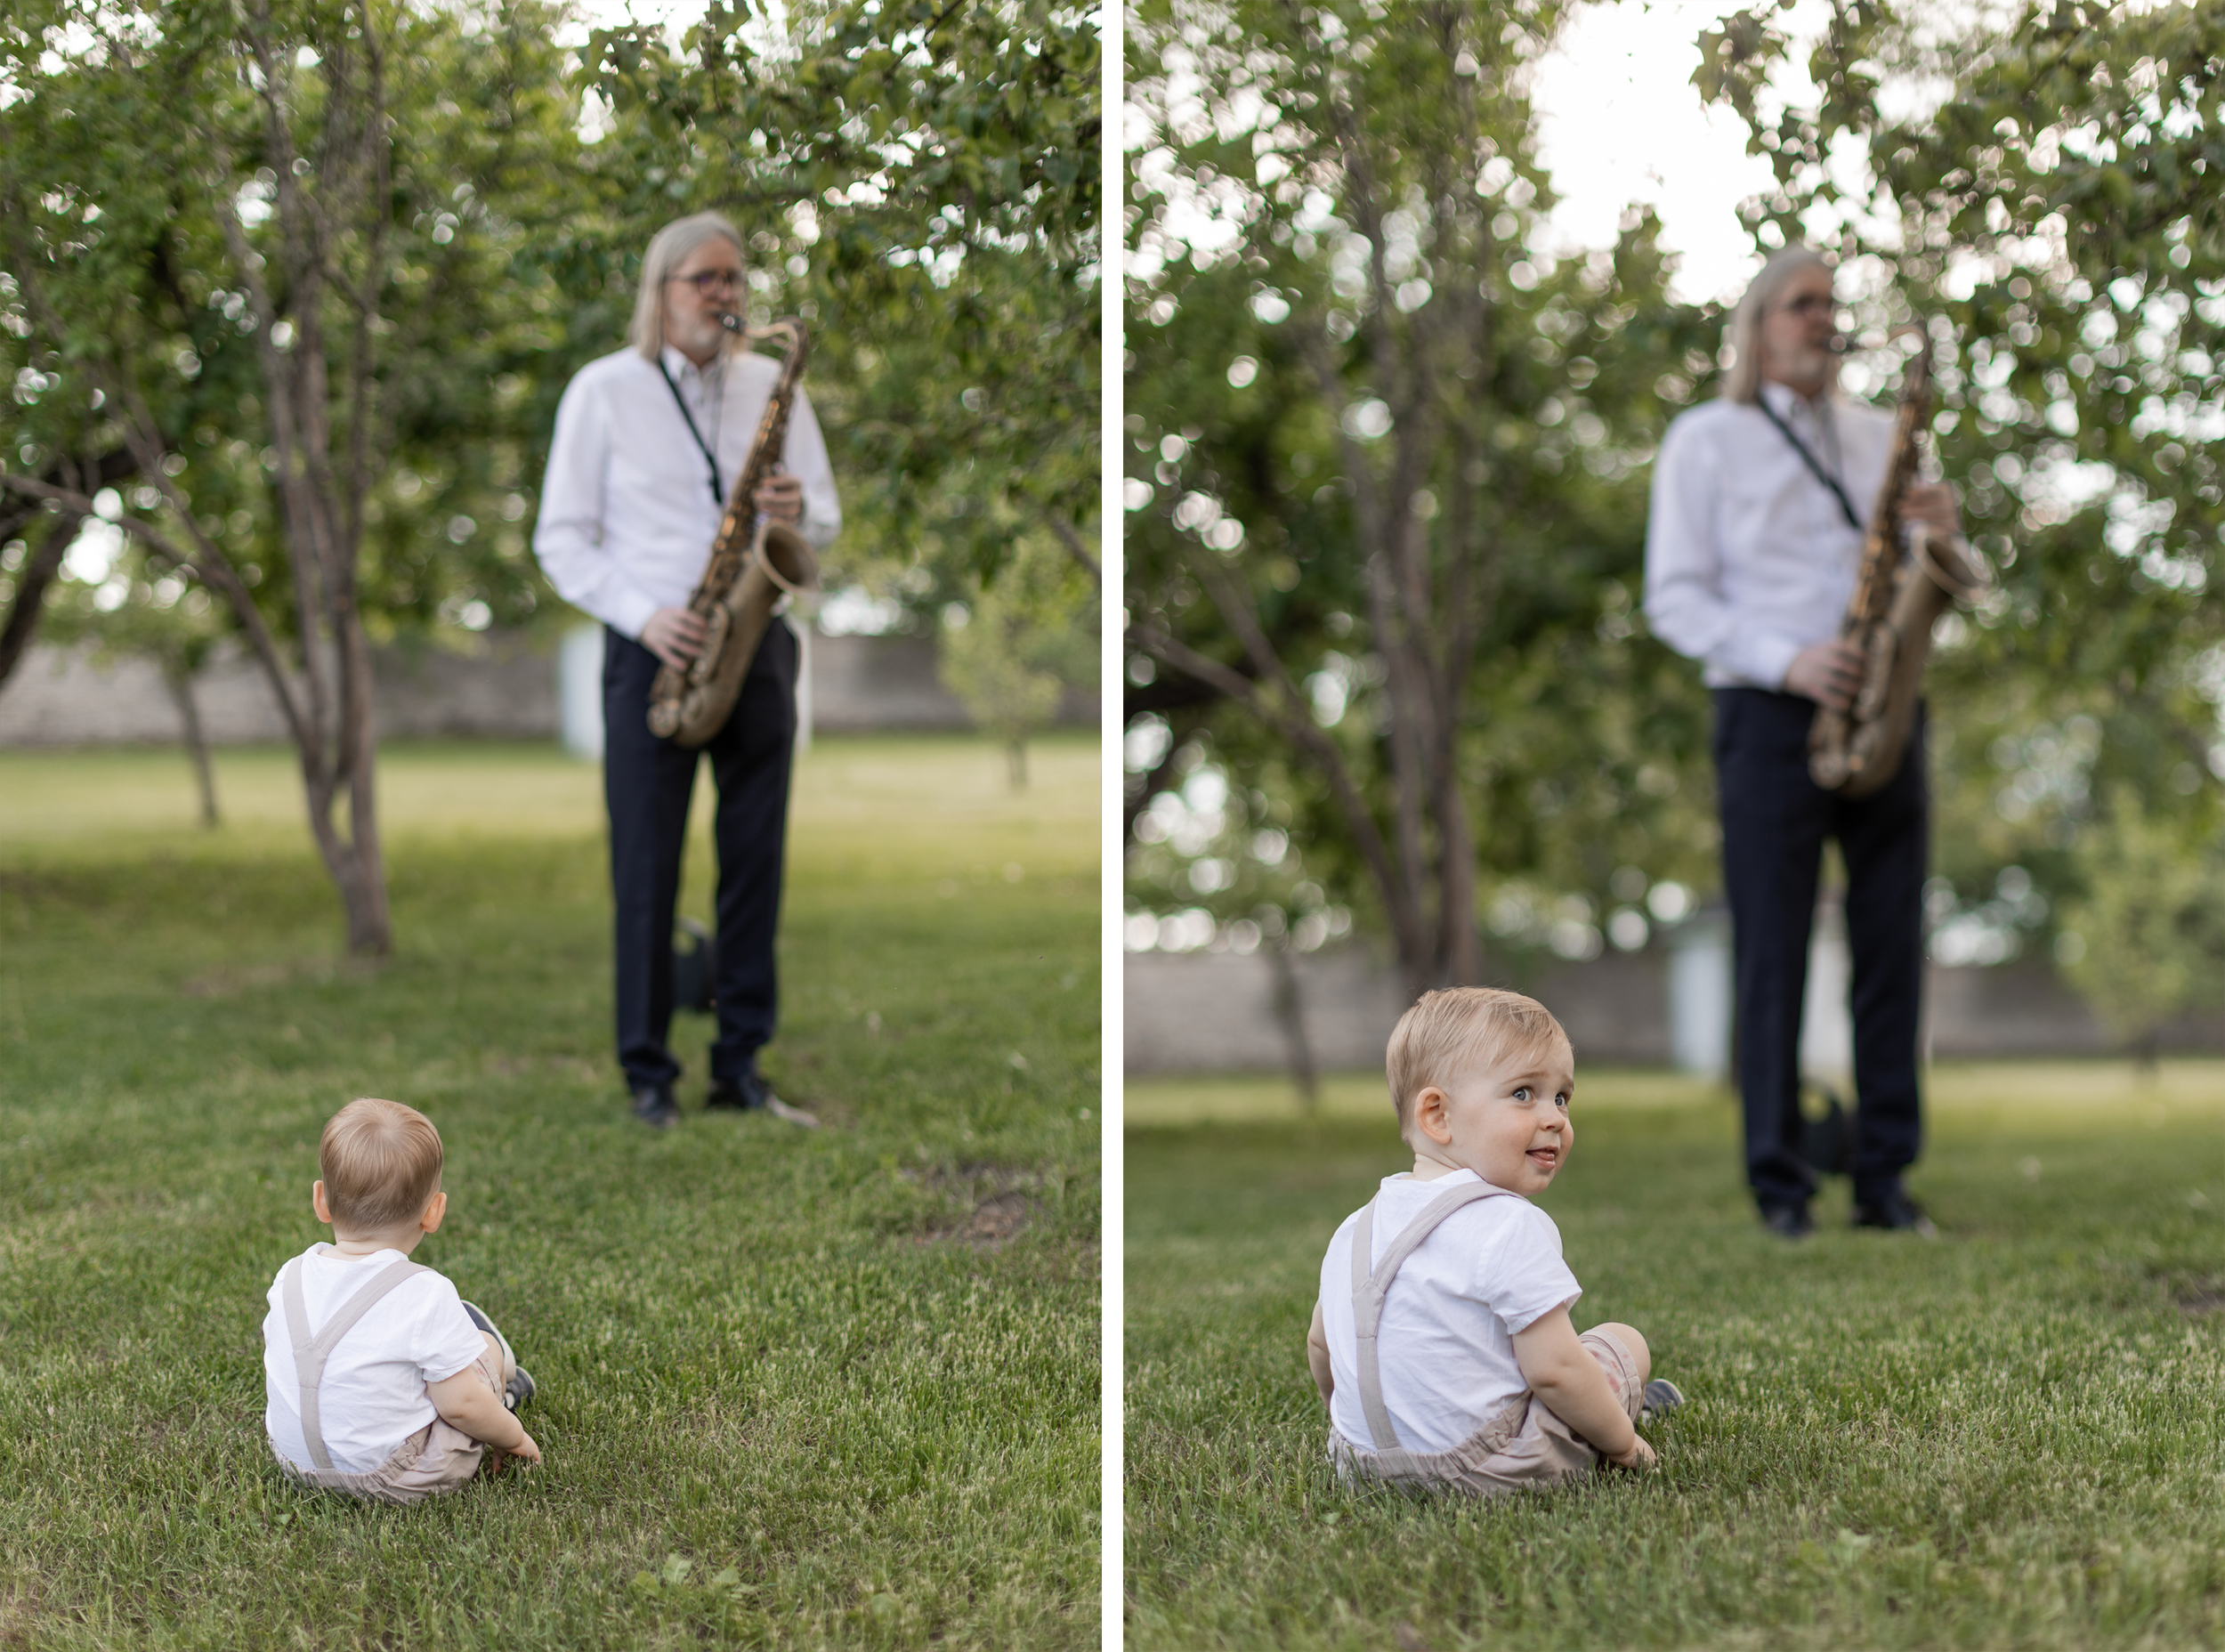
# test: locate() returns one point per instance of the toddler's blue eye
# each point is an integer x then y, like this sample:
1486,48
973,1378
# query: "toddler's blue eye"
1521,1092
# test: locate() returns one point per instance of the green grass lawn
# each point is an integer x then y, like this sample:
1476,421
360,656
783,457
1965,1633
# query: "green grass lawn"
2013,1436
797,1389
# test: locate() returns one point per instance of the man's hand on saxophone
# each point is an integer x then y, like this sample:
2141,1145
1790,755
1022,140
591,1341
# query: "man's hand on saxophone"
674,635
1828,673
781,497
1933,504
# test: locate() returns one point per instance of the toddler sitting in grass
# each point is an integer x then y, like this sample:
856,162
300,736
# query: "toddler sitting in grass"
381,1381
1441,1342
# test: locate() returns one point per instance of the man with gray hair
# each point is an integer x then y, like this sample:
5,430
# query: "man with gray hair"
646,441
1751,554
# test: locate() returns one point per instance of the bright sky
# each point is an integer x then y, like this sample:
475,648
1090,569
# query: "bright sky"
1620,121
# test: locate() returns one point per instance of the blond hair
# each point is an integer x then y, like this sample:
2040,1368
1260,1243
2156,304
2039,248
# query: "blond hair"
1742,382
381,1163
667,249
1454,1031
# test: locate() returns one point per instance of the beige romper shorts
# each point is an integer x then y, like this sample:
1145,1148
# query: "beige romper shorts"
1525,1446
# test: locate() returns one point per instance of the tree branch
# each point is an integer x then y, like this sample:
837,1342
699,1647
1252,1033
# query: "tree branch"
216,575
1299,730
1072,540
30,593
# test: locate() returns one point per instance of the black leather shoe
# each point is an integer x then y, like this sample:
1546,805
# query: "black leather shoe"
1788,1221
746,1094
752,1093
653,1105
1891,1208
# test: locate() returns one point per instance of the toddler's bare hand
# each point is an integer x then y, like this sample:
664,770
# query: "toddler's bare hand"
1639,1456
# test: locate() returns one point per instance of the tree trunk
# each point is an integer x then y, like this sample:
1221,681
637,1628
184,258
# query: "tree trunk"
370,930
1015,757
30,592
178,678
1290,1014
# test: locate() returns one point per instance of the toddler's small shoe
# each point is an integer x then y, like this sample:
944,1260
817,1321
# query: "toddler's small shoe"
1661,1396
520,1387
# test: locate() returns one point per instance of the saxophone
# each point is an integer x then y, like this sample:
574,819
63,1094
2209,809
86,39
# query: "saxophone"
754,562
1897,599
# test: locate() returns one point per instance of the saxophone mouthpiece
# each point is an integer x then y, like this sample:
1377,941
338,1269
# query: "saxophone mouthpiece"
732,322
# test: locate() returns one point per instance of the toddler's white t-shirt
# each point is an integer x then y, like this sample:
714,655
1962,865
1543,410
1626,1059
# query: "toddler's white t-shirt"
1445,1345
373,1395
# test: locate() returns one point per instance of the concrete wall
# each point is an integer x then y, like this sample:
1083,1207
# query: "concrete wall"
1204,1012
504,687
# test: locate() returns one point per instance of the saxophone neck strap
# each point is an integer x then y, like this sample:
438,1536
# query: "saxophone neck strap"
1814,465
718,493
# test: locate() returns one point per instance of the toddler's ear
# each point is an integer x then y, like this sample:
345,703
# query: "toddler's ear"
435,1208
317,1202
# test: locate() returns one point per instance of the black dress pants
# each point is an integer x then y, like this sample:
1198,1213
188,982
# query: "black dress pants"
647,783
1775,822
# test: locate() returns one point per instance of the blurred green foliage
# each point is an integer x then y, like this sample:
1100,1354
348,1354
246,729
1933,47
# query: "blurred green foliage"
920,184
134,127
315,272
1347,340
2041,196
1026,640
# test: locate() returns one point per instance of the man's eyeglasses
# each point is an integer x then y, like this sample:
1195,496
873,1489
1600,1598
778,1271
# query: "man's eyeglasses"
1810,303
709,282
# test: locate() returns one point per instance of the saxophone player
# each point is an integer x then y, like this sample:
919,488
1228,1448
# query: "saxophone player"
1751,552
647,438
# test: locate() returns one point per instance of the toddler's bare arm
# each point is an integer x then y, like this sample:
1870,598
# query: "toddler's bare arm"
1561,1371
465,1402
1317,1357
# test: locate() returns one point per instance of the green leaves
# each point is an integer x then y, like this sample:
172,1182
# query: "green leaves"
921,181
2043,186
1353,345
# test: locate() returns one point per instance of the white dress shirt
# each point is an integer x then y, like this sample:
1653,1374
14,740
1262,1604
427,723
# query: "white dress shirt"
1748,558
628,515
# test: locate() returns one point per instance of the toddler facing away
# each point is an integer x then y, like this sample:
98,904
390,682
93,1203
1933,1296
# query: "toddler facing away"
380,1380
1441,1342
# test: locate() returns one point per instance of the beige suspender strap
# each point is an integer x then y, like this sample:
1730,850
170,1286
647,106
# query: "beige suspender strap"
310,1354
1369,1287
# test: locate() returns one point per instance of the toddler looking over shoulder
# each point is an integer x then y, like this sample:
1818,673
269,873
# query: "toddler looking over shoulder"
380,1380
1441,1342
